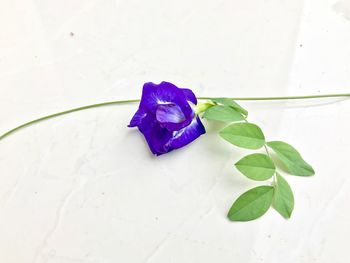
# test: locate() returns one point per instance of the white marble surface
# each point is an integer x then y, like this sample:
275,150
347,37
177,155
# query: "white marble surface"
84,188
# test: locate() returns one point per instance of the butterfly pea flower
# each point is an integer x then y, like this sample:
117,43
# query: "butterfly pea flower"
166,117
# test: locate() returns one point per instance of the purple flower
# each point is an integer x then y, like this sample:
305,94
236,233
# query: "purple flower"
166,117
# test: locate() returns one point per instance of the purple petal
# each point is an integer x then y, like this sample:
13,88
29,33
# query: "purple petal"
171,117
157,139
190,96
137,118
148,122
165,117
187,134
156,136
169,113
164,93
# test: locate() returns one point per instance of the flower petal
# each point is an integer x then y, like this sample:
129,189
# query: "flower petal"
169,113
137,118
171,117
164,93
156,136
190,96
157,139
187,134
166,118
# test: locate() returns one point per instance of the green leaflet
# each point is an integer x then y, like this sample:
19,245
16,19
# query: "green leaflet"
245,135
256,166
291,158
283,200
223,113
252,204
231,103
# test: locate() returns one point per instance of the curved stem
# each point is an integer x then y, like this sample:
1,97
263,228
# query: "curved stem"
6,134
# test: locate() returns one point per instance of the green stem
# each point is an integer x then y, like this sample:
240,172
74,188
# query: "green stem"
6,134
274,180
287,97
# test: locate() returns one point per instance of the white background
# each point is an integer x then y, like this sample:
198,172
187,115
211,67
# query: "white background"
84,188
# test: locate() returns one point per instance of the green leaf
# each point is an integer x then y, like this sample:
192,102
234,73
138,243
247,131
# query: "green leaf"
245,135
283,200
291,159
252,204
231,103
223,113
256,166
